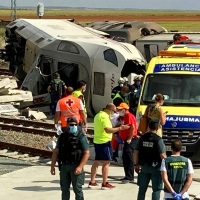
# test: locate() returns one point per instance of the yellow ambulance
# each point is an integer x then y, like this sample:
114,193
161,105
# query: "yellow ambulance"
175,73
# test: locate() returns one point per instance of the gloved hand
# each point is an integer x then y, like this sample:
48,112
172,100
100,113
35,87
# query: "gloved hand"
119,140
177,196
58,129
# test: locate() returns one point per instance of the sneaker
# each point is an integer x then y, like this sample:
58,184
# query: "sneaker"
93,185
107,186
119,160
125,181
132,181
121,179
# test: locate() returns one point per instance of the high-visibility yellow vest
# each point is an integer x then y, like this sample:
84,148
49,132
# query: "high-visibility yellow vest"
77,94
125,100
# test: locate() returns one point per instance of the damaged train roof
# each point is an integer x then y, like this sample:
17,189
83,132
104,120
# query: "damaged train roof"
48,32
130,31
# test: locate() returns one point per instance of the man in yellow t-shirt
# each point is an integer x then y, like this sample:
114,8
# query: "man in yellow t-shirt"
102,144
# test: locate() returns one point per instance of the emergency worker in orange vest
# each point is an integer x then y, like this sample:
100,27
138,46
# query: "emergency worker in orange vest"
70,106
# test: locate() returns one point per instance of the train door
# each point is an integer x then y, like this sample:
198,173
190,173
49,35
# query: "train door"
69,73
105,67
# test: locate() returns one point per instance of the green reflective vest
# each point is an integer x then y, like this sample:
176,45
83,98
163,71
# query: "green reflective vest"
77,94
125,100
177,168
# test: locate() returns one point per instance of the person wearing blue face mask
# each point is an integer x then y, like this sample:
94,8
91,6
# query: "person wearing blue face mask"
72,152
122,96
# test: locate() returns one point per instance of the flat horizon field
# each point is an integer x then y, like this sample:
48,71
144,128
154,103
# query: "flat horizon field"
170,19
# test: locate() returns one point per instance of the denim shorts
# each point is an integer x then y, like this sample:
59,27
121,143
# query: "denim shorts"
103,151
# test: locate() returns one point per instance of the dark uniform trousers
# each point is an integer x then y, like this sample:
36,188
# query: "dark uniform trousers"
54,101
127,157
67,177
146,174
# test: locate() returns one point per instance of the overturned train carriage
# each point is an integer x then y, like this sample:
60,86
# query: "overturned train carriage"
38,48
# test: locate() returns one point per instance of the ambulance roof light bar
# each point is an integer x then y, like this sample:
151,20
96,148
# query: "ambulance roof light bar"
165,53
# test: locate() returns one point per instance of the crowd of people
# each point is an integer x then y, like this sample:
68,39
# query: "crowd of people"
116,136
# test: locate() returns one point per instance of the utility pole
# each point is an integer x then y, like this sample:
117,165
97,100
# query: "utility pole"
13,10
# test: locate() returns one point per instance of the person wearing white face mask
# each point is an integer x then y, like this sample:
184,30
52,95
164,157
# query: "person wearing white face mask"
121,96
103,132
130,138
116,89
81,87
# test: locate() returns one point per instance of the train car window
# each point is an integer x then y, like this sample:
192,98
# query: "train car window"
99,83
68,47
110,56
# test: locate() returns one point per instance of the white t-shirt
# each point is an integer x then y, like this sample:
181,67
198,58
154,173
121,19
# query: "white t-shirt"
81,106
114,119
190,171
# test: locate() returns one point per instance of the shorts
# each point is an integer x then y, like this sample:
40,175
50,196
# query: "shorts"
103,151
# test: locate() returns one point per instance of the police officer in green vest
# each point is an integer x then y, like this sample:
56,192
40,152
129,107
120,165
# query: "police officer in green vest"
177,173
81,87
72,152
148,154
122,96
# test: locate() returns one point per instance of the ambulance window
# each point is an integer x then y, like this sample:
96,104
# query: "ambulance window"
110,56
68,47
99,83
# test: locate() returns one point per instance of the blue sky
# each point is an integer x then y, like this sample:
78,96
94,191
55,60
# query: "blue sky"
139,4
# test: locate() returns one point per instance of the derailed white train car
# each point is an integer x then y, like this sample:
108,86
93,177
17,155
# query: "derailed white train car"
39,47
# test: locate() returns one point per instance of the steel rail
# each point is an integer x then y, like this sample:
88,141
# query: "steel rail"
18,128
25,149
30,126
27,123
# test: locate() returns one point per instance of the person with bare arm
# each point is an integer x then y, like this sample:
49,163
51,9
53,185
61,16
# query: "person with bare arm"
102,144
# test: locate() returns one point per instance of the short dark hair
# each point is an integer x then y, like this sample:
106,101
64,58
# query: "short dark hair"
56,75
69,90
81,84
176,145
153,125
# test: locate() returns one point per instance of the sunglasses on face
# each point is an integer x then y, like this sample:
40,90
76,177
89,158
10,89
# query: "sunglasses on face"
72,124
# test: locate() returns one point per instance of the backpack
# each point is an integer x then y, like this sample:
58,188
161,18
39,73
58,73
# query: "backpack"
153,112
57,87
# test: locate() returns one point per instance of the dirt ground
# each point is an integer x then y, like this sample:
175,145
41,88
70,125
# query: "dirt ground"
163,18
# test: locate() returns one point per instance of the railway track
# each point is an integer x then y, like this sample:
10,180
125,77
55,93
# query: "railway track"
29,127
34,127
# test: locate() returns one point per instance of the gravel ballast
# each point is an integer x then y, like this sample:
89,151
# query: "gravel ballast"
25,139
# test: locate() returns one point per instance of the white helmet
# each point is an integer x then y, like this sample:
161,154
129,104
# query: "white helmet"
125,79
121,80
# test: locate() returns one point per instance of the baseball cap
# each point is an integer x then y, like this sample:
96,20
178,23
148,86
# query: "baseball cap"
123,106
71,119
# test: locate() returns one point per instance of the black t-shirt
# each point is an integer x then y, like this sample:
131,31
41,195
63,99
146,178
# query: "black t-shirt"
117,101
